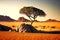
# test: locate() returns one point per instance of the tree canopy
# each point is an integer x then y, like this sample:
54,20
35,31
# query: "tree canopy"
32,12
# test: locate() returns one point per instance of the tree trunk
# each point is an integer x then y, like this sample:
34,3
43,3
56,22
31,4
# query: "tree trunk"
32,22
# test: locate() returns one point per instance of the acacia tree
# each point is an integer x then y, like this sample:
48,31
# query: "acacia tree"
32,13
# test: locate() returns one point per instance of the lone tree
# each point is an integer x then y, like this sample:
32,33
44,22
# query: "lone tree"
32,13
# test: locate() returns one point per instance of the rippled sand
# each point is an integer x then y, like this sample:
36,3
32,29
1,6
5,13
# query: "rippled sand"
28,36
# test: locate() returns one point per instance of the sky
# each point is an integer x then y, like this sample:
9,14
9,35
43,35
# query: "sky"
11,8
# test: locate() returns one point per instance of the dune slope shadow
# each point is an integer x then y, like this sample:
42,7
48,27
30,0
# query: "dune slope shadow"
4,28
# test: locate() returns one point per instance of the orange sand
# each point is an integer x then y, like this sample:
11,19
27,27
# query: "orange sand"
28,36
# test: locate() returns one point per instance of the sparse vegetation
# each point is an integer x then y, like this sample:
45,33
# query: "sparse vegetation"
53,27
43,27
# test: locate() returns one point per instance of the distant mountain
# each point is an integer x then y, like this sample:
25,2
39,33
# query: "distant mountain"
5,18
52,20
36,21
22,19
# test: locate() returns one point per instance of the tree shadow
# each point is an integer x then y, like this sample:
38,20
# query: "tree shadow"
27,28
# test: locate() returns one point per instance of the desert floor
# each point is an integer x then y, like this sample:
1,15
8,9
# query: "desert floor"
28,36
38,25
31,36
